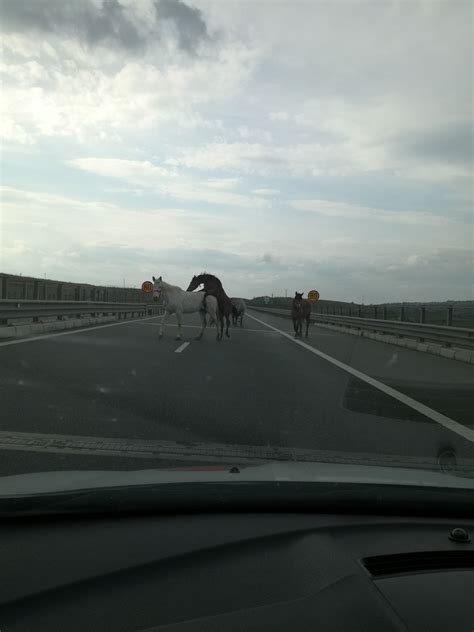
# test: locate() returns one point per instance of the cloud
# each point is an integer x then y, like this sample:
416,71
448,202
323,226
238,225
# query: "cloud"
218,139
392,134
296,159
57,84
139,172
26,214
268,258
222,183
170,182
38,219
447,268
108,22
189,22
10,131
266,192
357,212
448,143
263,159
306,159
103,242
234,157
278,116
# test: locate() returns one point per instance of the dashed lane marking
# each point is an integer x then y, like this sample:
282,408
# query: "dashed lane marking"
182,347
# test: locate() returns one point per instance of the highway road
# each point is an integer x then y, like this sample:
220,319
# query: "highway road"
115,397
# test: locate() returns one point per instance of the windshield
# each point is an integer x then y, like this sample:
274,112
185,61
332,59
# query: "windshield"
236,235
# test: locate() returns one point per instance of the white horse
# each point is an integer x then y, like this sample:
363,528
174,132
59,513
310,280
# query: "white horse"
238,311
179,302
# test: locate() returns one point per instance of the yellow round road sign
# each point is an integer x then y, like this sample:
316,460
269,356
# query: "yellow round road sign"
147,287
313,295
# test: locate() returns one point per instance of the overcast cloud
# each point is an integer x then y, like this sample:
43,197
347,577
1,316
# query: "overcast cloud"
126,25
282,146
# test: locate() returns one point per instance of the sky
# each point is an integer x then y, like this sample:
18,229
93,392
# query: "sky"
282,146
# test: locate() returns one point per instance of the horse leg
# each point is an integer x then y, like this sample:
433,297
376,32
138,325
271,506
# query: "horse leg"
179,317
162,323
215,319
295,327
202,314
299,327
227,323
241,320
307,326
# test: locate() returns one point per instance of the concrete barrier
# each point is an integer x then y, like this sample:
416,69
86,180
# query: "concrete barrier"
22,331
27,318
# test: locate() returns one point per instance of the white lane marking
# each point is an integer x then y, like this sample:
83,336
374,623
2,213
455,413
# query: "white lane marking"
86,329
182,347
432,414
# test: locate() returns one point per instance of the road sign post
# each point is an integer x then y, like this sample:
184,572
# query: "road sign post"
147,288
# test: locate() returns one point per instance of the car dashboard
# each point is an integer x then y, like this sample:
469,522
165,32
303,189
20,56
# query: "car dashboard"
237,571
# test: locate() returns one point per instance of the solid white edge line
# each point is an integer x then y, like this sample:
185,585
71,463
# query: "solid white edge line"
182,347
432,414
86,329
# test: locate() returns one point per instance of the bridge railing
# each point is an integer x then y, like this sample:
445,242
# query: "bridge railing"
14,311
439,334
33,288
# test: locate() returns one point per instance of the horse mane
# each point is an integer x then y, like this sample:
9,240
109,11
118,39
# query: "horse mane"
205,276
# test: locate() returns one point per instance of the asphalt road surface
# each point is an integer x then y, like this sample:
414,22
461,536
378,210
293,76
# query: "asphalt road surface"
116,397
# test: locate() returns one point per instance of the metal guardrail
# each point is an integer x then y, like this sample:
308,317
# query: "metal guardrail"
11,310
440,334
21,288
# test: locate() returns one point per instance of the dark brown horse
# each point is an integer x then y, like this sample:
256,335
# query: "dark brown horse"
300,310
213,286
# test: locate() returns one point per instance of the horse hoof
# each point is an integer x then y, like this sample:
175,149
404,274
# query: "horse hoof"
177,337
160,337
228,335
